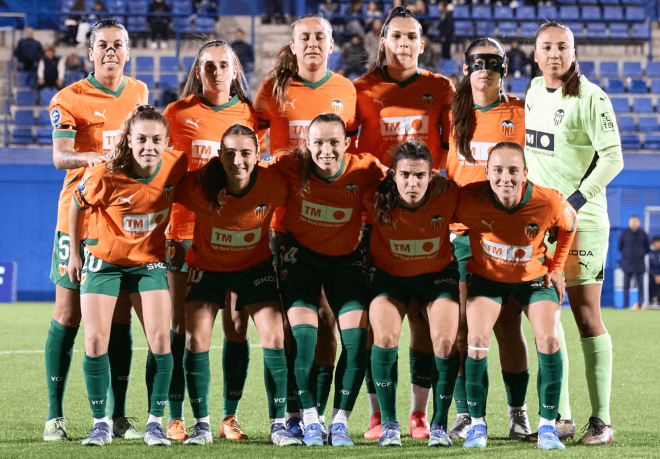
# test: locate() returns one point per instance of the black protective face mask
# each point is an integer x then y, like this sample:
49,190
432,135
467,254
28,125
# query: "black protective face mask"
493,62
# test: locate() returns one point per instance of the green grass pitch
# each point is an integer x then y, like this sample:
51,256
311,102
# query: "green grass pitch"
635,403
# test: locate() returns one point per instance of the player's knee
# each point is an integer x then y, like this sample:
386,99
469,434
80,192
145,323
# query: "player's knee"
274,339
547,343
442,346
96,345
386,340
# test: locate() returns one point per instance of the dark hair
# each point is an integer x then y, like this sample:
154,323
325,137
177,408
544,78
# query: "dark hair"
570,85
387,196
106,24
398,12
238,84
120,158
655,239
509,146
285,64
634,216
462,105
212,175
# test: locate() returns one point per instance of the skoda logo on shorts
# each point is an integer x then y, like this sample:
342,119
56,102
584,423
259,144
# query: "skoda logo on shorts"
436,222
260,211
531,230
351,190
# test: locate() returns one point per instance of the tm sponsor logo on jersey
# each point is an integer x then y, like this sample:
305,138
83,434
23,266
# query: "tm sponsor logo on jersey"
109,140
325,215
404,125
540,140
480,152
415,247
142,225
203,150
229,238
507,254
298,130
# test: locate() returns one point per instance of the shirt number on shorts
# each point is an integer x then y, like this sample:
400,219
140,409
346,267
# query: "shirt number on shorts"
90,260
290,256
64,243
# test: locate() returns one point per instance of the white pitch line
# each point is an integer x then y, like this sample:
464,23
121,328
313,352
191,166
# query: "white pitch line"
82,350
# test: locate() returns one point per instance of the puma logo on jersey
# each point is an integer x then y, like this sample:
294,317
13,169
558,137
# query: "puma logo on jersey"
102,115
291,103
194,123
380,101
586,265
489,225
128,199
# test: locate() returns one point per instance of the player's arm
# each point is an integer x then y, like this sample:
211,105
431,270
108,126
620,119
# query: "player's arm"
65,157
76,219
566,223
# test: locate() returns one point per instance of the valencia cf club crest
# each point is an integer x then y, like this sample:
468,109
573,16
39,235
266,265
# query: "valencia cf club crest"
351,190
559,116
260,211
83,276
337,106
168,192
507,127
61,268
428,101
283,275
436,222
532,230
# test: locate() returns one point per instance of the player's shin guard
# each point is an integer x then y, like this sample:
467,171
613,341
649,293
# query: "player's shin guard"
161,383
275,373
385,369
476,385
198,380
549,384
291,391
323,377
368,376
178,384
303,347
350,368
97,380
444,376
460,395
149,374
598,369
235,362
421,369
516,387
59,353
564,402
120,353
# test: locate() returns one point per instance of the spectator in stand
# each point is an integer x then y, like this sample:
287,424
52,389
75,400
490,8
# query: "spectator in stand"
372,41
274,12
353,57
50,71
446,27
72,23
243,51
327,9
633,245
355,25
372,13
517,60
654,271
74,64
535,70
159,24
419,8
428,60
28,51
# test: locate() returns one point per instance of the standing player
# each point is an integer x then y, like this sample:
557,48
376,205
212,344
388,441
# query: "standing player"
573,145
233,199
413,260
86,117
213,99
299,88
508,217
398,101
131,196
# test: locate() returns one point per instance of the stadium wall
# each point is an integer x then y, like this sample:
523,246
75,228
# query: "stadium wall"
30,187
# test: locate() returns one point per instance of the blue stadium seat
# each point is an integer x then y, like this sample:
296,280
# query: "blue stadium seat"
620,104
45,136
632,69
72,77
569,13
21,136
642,105
485,28
144,63
588,68
613,13
204,25
168,81
655,86
626,124
26,98
447,67
631,142
528,29
461,12
45,95
641,31
503,12
182,7
146,78
481,12
652,142
632,2
588,2
507,28
44,118
619,30
613,86
591,13
595,81
24,118
182,25
596,30
463,29
635,13
525,12
168,64
333,61
138,7
519,85
609,2
66,5
150,101
116,6
577,28
547,12
137,23
637,86
648,124
566,2
433,10
652,69
27,79
188,62
609,69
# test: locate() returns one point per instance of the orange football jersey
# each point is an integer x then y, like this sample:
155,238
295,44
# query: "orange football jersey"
327,217
236,238
129,213
418,241
92,115
196,128
507,244
305,101
391,112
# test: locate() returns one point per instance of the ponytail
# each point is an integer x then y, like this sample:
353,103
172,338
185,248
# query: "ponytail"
285,67
386,199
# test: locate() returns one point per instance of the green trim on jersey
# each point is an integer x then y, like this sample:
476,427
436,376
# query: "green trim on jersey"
319,83
92,79
253,179
69,134
217,108
490,106
334,177
402,84
520,205
146,180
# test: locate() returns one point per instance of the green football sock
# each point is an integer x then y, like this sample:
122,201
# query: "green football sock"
549,384
564,402
275,379
59,353
235,362
476,385
444,376
421,368
177,389
323,385
385,369
460,396
598,369
304,345
149,375
161,383
350,368
198,380
120,353
96,371
516,387
368,377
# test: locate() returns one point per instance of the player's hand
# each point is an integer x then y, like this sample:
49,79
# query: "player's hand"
439,184
657,278
94,158
75,266
552,235
557,281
